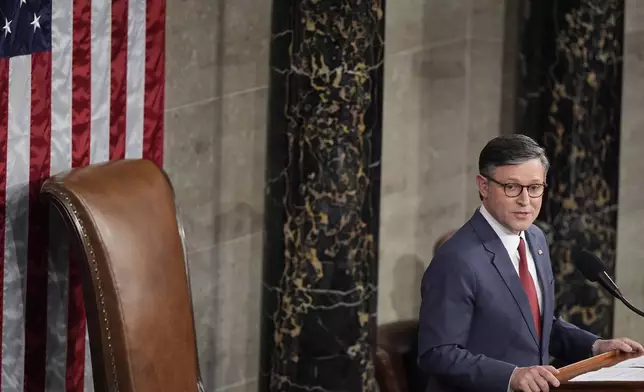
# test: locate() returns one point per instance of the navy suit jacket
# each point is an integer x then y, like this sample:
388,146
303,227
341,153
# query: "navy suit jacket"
475,324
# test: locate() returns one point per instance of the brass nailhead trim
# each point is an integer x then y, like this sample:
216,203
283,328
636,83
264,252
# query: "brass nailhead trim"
62,195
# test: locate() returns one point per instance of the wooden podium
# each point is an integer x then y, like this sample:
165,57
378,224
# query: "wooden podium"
566,373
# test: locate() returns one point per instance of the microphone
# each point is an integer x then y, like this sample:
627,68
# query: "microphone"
594,270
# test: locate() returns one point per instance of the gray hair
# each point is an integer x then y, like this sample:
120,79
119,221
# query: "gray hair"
510,150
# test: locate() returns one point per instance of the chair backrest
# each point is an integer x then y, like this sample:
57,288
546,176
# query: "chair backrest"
396,368
130,246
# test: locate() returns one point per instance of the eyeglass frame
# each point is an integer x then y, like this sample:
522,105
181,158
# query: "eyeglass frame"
526,187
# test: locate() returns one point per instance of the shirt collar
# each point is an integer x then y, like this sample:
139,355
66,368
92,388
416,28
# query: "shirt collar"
508,238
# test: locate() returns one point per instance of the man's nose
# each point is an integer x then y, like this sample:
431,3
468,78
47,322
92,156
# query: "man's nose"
524,198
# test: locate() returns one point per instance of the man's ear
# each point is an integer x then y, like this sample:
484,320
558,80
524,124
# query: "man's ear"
482,185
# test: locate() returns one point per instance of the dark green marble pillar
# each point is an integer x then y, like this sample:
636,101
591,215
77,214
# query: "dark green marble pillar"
569,90
322,200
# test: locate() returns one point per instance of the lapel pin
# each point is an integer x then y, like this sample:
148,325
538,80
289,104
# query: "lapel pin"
540,251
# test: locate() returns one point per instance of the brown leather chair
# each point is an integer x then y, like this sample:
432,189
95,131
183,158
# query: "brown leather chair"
396,368
125,230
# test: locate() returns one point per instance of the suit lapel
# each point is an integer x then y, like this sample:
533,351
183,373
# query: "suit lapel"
504,266
538,250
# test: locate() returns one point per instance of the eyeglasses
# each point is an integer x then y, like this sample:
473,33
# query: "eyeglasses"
512,189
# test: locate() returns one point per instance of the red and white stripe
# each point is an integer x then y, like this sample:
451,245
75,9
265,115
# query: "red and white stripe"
98,95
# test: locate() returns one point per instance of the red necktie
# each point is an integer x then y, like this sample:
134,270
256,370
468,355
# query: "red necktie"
528,286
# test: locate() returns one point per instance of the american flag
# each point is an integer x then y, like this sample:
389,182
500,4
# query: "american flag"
81,81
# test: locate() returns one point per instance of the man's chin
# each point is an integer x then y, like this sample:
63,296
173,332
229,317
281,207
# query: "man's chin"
521,226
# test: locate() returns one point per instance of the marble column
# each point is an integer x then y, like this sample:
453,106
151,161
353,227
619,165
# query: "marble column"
569,99
323,195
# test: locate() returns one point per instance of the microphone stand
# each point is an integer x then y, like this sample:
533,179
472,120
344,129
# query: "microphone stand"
628,304
608,283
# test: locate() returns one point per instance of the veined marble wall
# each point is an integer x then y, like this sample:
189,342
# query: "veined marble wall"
322,196
627,253
448,89
570,87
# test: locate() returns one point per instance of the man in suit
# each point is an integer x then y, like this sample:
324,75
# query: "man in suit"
487,318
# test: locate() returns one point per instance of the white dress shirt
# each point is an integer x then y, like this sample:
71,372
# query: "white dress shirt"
511,243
